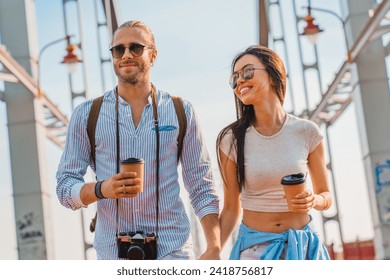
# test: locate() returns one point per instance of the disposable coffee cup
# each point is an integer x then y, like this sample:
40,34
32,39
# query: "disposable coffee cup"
293,184
134,165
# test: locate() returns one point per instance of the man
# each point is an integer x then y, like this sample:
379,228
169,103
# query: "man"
127,115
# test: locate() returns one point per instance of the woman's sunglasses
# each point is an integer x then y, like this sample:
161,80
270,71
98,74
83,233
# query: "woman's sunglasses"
135,49
246,73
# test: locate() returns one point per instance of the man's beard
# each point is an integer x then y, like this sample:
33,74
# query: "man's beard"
133,78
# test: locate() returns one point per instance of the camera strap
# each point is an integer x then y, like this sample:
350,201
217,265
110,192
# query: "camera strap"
155,114
154,102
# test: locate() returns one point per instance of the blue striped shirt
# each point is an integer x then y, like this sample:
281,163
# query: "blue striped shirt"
139,213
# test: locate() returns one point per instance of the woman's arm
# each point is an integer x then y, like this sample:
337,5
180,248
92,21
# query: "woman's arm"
319,176
231,206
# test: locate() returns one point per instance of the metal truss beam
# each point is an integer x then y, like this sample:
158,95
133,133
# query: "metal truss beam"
55,121
338,95
110,10
8,78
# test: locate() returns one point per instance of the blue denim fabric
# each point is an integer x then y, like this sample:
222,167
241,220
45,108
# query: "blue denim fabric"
301,244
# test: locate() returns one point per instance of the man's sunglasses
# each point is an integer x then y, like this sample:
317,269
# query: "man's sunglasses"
246,73
135,49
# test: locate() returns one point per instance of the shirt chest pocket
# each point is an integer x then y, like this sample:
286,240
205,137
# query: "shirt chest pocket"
168,136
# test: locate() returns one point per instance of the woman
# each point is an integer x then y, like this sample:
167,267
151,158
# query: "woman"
255,152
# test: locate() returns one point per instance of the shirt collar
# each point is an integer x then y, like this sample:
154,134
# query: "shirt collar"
122,101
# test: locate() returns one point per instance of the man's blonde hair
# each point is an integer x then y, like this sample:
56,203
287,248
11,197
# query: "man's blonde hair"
138,24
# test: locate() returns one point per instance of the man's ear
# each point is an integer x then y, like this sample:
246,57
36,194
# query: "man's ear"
153,56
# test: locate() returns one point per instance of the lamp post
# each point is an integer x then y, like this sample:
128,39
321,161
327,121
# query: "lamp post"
312,30
70,59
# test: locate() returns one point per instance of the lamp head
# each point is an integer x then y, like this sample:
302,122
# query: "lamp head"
311,30
71,59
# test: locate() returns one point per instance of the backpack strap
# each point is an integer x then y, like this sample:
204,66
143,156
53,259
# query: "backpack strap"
94,114
181,117
91,129
91,126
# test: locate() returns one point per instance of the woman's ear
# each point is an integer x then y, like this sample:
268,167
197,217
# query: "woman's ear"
271,82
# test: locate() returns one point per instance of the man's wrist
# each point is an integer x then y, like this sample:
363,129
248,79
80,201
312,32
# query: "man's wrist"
98,190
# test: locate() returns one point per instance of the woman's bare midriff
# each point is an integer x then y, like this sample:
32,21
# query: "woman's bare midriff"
275,222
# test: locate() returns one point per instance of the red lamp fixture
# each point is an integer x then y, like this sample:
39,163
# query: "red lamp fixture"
71,59
311,30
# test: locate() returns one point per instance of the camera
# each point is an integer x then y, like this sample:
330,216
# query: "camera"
137,245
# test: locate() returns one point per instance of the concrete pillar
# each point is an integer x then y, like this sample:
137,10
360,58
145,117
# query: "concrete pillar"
26,135
372,102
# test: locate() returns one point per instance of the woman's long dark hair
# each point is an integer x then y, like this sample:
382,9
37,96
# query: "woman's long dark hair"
246,113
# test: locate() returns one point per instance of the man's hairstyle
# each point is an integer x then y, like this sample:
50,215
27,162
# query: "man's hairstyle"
138,24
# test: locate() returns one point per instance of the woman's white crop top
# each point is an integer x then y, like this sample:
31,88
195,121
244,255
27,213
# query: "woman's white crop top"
269,158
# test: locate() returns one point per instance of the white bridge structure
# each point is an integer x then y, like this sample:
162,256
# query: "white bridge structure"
33,117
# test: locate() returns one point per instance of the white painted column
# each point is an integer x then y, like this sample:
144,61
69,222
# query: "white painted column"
26,135
372,103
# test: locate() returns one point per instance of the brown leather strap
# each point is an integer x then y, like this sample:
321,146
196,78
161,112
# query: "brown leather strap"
91,129
91,126
92,225
181,117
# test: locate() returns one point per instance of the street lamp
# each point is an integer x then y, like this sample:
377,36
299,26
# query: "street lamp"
70,59
312,30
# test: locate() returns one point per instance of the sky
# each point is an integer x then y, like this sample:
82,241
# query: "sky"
196,42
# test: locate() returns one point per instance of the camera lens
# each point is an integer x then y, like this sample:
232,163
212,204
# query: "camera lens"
135,253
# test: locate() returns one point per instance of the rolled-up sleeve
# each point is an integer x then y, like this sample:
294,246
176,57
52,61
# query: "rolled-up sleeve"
196,168
74,160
